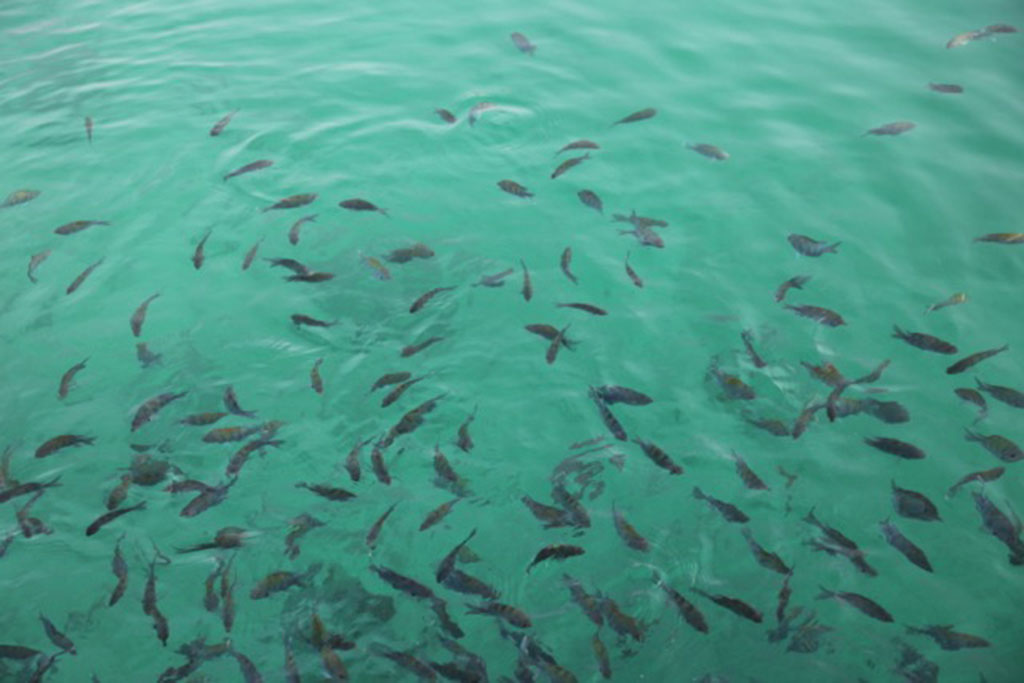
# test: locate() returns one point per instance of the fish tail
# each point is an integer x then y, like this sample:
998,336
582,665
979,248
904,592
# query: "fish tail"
698,494
981,385
971,436
897,332
834,248
825,593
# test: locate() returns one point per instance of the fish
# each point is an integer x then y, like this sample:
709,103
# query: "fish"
88,128
965,37
621,623
645,236
732,386
53,445
402,583
734,605
953,300
946,88
67,380
331,493
426,297
292,201
900,449
374,532
202,419
447,478
549,332
352,460
477,109
389,379
579,144
523,43
110,516
225,538
999,525
300,526
636,279
139,316
556,551
77,226
380,271
77,282
1000,28
812,247
755,358
148,410
973,359
527,285
1007,395
641,115
628,533
464,442
251,254
278,581
293,233
747,475
361,205
513,615
199,255
219,127
766,559
378,465
589,308
894,128
948,639
56,637
590,604
34,262
210,496
406,254
896,539
438,513
119,492
406,660
729,512
514,188
1002,238
797,282
982,476
231,403
18,652
445,115
612,394
569,164
924,341
299,320
447,564
639,221
821,315
551,516
773,426
610,421
250,167
19,197
858,601
999,446
914,505
710,151
315,379
578,516
462,582
601,654
289,263
690,613
413,349
566,263
496,280
120,569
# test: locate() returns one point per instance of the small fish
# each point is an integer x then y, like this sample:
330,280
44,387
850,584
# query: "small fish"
589,308
997,445
110,516
35,261
77,226
374,532
445,115
527,285
612,394
361,205
948,639
251,254
900,449
231,403
638,116
300,526
645,236
658,456
973,359
729,512
773,426
924,341
549,332
145,356
331,493
120,569
402,583
464,442
999,525
812,247
797,282
199,255
352,460
406,254
67,380
947,88
914,505
513,615
710,151
860,602
747,337
276,582
964,38
610,421
139,316
601,654
632,274
250,167
894,128
569,164
438,513
896,539
380,271
413,349
734,605
747,475
427,296
56,637
957,298
389,379
88,128
1007,395
821,315
579,144
589,198
690,613
148,410
765,558
523,43
219,127
1000,28
732,386
77,282
496,280
300,320
512,187
447,564
477,109
315,380
556,551
1002,238
292,201
63,441
19,197
628,533
551,516
293,232
378,465
973,396
119,492
982,476
621,623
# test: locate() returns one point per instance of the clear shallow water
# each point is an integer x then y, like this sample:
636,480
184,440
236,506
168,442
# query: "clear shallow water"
342,100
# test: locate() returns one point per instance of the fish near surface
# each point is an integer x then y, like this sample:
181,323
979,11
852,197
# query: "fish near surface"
645,236
569,164
406,254
628,533
557,551
1002,238
914,505
445,115
110,516
63,441
797,282
999,446
19,197
900,449
148,410
710,151
579,144
219,127
1007,395
523,43
765,558
973,359
199,255
896,539
982,476
812,247
77,226
358,204
34,262
514,188
641,115
250,167
276,582
77,282
293,201
860,602
924,341
68,379
953,300
566,263
729,512
948,639
894,128
636,279
999,525
823,316
612,394
946,88
734,605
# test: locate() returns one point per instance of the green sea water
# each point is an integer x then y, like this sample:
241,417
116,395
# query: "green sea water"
341,97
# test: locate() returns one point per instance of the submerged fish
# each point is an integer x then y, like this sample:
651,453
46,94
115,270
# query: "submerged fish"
812,247
527,285
568,164
413,349
900,449
734,605
292,201
579,144
426,297
914,505
406,254
77,282
77,226
19,197
219,127
250,167
982,476
445,115
729,512
1007,395
35,261
924,341
973,359
636,279
999,525
67,380
638,116
88,128
860,602
955,299
477,109
947,88
512,187
1002,238
948,639
797,282
820,315
710,151
148,410
999,446
894,128
496,280
55,444
897,540
293,234
589,308
361,205
199,255
251,254
523,43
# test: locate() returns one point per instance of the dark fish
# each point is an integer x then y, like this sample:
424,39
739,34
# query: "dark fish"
999,525
63,441
295,230
210,497
628,533
139,316
496,280
639,221
770,425
77,282
299,320
300,526
447,564
413,349
914,505
549,332
982,476
551,516
289,263
120,569
315,380
579,144
1000,28
352,460
589,198
527,285
406,254
862,603
406,660
148,410
953,300
783,600
610,421
973,359
219,127
67,380
447,478
811,247
729,512
225,538
380,271
250,167
896,539
632,274
749,477
424,298
734,605
513,615
251,254
590,604
293,201
690,613
924,341
621,623
900,449
34,262
231,403
77,226
638,116
275,582
997,445
462,582
1002,238
464,442
555,345
578,516
733,387
755,358
821,315
601,654
890,412
568,164
557,551
56,637
445,115
402,583
797,282
612,394
108,517
1010,397
18,652
523,43
894,128
331,493
948,639
13,491
374,532
438,513
228,434
199,255
948,88
88,128
566,263
361,205
389,379
589,308
378,465
19,197
965,37
477,109
119,492
645,236
512,187
710,151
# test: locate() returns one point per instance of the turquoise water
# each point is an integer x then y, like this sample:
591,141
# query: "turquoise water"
342,99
